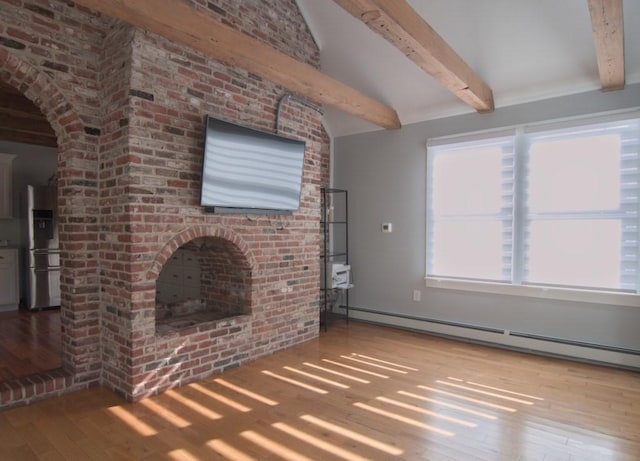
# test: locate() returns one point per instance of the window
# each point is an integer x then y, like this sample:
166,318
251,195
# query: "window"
541,208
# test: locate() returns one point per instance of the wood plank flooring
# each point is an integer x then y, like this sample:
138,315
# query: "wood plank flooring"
29,343
358,392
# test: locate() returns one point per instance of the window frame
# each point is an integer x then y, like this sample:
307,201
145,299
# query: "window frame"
515,286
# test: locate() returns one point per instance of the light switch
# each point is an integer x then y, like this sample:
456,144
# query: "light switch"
387,227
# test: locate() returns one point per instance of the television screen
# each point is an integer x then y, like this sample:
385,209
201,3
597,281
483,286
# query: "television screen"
247,170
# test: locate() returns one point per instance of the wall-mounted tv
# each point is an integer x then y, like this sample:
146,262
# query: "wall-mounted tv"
250,171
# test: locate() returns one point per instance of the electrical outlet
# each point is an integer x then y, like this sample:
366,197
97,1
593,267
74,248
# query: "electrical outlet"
417,295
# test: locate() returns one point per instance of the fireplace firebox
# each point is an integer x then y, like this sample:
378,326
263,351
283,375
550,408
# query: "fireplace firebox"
204,280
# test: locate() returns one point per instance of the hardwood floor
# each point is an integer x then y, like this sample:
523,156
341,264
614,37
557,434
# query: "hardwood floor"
358,392
29,343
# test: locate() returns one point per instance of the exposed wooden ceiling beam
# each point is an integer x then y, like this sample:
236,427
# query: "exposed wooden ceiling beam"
399,24
22,121
184,24
27,124
40,139
608,36
18,103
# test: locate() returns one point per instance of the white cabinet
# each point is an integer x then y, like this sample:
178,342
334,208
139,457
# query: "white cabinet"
9,279
6,177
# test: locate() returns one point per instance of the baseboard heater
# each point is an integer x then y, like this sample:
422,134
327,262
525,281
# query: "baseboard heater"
516,334
571,342
426,319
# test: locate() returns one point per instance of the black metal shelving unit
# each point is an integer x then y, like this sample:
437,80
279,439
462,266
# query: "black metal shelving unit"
334,224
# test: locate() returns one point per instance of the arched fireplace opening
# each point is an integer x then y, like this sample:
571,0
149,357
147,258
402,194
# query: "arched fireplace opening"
206,279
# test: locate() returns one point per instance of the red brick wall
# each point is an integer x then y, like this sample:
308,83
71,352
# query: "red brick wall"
131,179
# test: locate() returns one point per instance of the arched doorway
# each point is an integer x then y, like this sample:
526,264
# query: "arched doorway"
78,356
29,338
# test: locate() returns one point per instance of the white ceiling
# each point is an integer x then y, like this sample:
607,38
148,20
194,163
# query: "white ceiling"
525,50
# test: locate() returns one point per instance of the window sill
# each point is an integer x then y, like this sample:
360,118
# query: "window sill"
564,294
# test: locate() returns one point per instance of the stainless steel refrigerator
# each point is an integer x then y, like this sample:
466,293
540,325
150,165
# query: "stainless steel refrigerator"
44,250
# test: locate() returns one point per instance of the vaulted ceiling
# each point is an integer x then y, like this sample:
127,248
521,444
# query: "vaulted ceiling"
523,50
386,62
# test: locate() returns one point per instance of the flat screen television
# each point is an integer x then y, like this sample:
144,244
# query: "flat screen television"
250,171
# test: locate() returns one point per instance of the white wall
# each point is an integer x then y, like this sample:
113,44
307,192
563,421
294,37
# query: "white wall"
384,172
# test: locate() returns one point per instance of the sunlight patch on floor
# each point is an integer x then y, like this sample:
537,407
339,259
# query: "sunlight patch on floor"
318,443
403,419
359,370
181,454
228,451
397,365
246,392
336,373
220,398
487,393
193,405
499,389
353,435
468,399
274,447
317,378
376,365
448,405
458,405
424,411
295,382
163,412
131,420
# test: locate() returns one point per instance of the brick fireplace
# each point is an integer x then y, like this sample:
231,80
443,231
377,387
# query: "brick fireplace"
129,117
254,298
